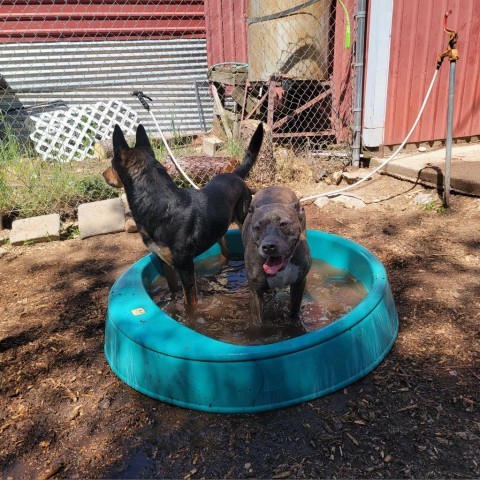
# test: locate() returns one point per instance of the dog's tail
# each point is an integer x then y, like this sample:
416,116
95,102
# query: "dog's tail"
251,154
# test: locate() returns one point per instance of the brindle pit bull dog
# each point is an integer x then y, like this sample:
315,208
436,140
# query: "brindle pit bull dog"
276,250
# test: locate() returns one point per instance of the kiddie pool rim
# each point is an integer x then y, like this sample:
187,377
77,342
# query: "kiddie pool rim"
187,346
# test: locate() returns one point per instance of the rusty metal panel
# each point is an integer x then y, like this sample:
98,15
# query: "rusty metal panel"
226,31
54,20
417,39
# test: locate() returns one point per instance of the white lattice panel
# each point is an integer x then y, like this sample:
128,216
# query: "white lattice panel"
66,135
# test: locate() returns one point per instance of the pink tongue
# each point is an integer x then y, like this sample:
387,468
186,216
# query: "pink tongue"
273,265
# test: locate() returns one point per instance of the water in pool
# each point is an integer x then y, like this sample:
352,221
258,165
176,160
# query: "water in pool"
223,310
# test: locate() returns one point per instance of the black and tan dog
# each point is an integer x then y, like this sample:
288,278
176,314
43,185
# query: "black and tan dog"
276,250
177,224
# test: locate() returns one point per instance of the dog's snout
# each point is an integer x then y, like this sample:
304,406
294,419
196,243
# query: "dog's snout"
112,178
269,248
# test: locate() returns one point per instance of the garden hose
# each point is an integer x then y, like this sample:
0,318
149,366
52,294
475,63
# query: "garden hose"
142,98
356,184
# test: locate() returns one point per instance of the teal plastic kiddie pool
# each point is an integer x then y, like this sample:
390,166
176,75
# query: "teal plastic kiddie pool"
158,356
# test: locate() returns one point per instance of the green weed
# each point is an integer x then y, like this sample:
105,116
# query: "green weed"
30,186
71,232
434,206
234,148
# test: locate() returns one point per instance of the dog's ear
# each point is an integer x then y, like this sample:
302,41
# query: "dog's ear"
251,209
300,211
302,216
118,139
142,140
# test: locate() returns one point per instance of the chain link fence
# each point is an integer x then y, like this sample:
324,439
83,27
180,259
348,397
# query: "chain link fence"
68,70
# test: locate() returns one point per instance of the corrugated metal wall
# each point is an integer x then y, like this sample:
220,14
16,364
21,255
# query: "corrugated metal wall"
226,31
417,39
53,20
172,72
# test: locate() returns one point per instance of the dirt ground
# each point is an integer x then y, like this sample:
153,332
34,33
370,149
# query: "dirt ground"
64,414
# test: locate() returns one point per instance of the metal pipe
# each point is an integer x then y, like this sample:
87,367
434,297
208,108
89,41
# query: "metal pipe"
359,65
199,106
448,145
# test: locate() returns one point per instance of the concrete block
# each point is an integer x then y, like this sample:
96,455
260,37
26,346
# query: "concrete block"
35,229
98,218
211,145
429,167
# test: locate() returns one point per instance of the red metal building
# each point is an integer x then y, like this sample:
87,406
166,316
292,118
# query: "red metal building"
54,20
417,39
226,31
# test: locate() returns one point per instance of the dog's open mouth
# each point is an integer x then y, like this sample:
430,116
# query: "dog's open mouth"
274,264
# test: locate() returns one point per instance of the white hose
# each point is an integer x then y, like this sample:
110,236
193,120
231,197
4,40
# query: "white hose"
172,156
325,194
349,187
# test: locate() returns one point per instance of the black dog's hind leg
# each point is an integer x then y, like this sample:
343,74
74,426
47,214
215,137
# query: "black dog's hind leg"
171,277
223,250
162,254
296,295
187,276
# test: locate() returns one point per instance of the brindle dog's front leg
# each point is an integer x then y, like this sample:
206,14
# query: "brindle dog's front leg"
296,295
187,276
257,307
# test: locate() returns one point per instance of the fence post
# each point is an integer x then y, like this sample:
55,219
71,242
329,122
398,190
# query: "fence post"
359,69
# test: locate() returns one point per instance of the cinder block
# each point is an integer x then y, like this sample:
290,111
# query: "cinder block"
99,218
35,229
211,145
